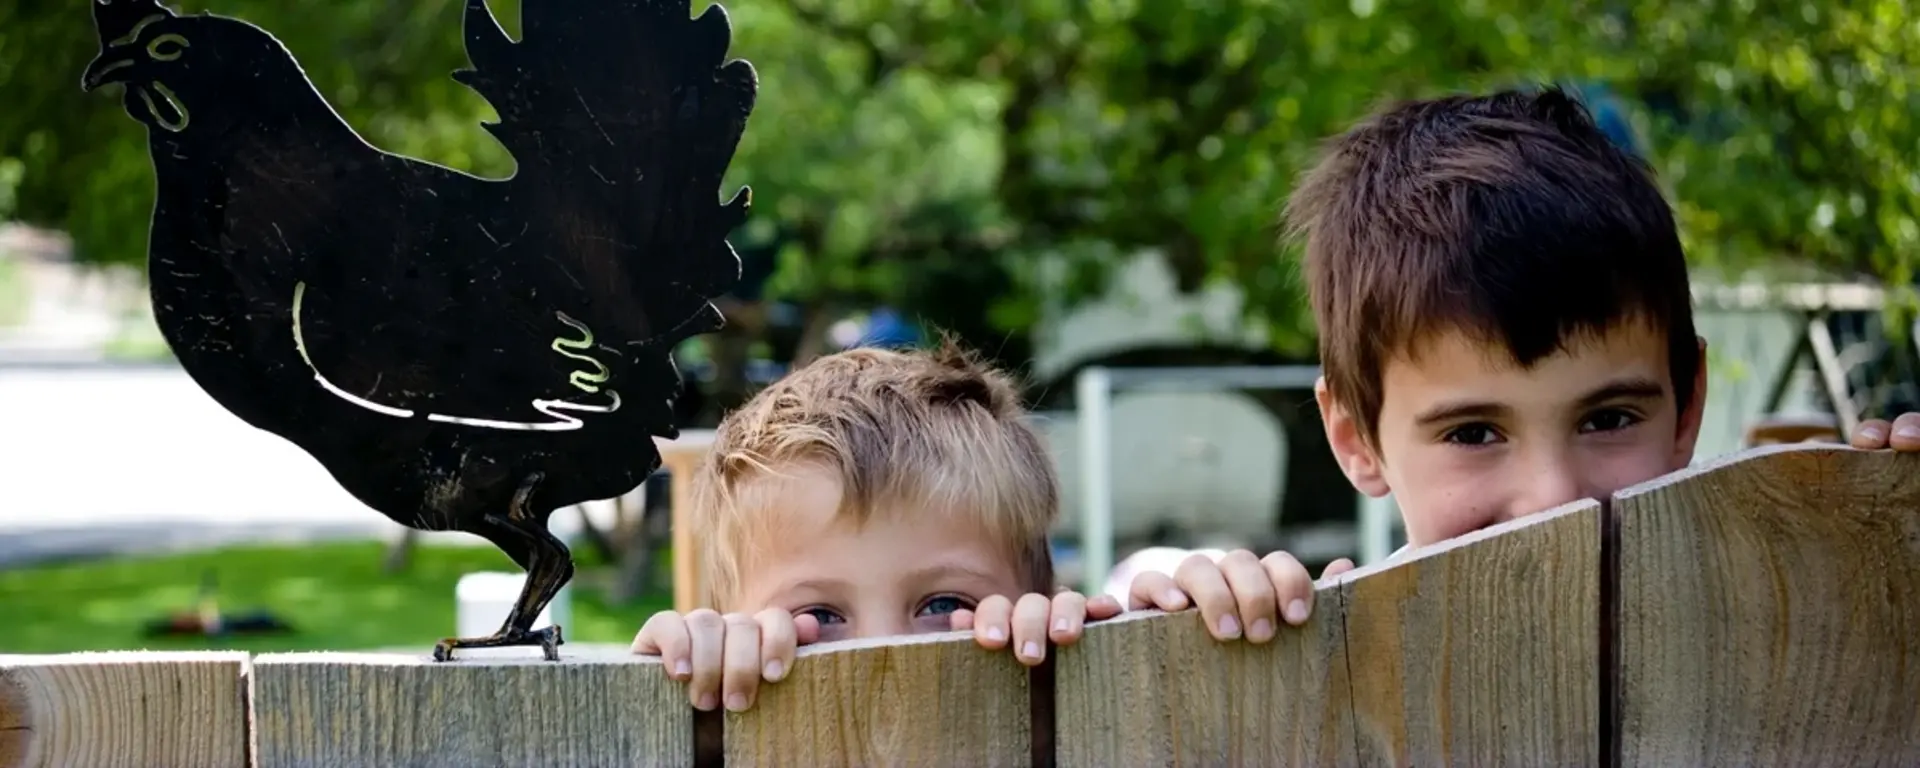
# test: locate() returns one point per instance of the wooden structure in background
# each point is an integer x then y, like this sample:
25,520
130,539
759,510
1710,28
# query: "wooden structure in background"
680,458
1764,610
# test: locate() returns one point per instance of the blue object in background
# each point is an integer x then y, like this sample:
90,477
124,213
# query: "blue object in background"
1609,114
887,329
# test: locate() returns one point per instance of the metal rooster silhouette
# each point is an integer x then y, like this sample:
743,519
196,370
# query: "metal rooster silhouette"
460,353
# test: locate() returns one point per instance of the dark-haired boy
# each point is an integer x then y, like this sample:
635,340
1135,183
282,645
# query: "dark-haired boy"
1506,326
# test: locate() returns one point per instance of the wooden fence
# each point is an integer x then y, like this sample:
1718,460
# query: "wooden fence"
1764,611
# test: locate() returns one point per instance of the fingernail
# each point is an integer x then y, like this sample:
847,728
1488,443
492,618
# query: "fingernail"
736,702
1229,626
683,668
996,634
1909,432
1261,629
1175,597
706,702
1031,650
1296,611
774,670
1060,625
1876,434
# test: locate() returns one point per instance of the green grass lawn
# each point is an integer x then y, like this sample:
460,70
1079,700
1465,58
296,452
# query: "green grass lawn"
335,595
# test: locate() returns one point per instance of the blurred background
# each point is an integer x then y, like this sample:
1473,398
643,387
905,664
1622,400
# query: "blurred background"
1086,190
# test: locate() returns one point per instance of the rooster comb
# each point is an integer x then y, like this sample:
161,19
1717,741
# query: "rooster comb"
115,18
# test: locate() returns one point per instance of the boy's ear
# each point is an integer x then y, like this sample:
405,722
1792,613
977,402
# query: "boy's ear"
1692,413
1358,461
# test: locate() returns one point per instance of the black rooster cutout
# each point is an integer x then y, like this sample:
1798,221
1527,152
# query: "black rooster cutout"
460,353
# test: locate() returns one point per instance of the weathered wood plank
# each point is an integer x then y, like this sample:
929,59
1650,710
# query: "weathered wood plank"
1150,688
1481,650
933,700
133,709
1770,611
604,708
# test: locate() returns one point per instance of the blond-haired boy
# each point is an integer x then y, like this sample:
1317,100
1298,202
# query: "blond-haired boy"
870,493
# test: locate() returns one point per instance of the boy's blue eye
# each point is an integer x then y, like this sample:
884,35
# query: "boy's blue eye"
1471,434
943,605
824,615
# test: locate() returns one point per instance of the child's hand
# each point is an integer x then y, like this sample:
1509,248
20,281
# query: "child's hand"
1238,595
1033,620
1902,435
727,654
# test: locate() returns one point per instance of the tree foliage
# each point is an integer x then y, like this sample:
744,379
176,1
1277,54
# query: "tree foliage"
935,154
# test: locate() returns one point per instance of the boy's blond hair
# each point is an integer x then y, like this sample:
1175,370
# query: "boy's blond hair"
917,432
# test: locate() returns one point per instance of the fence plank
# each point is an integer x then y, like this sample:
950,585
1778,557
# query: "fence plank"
931,700
1482,650
604,708
1770,611
134,709
1155,689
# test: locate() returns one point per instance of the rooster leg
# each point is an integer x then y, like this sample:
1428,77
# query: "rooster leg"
549,567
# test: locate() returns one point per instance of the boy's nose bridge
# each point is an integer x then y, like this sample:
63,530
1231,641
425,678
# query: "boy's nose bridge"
882,624
1553,477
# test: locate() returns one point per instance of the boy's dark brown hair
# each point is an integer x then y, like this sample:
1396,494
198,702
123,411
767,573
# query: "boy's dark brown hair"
1509,217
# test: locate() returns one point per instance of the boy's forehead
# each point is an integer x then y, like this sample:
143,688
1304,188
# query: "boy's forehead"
1457,366
801,503
1449,347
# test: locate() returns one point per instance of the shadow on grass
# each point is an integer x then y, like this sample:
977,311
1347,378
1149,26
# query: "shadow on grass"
334,594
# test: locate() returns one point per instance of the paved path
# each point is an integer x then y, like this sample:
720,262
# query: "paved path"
103,459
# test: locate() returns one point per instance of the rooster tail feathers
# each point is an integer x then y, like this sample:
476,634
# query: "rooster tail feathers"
489,50
609,78
629,111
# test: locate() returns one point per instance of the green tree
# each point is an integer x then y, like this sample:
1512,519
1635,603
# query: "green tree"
1794,132
852,169
1179,126
935,154
384,66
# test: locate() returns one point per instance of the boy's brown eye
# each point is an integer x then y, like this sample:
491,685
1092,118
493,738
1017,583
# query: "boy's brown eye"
1609,420
1471,434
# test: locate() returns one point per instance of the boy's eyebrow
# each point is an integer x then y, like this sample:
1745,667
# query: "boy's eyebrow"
1635,388
926,575
1454,411
818,586
939,571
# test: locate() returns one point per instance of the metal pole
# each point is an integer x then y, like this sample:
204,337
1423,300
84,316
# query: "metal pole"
1094,393
1376,528
1832,377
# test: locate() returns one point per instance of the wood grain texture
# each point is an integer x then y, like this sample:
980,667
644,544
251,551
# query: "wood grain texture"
1770,611
1481,650
1151,688
933,700
133,709
337,709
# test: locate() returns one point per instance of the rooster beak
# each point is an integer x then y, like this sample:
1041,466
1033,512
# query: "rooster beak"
105,69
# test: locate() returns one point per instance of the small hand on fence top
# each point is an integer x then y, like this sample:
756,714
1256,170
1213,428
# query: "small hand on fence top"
1240,595
726,655
1034,620
1903,434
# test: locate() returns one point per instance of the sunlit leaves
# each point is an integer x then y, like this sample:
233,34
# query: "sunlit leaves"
897,140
